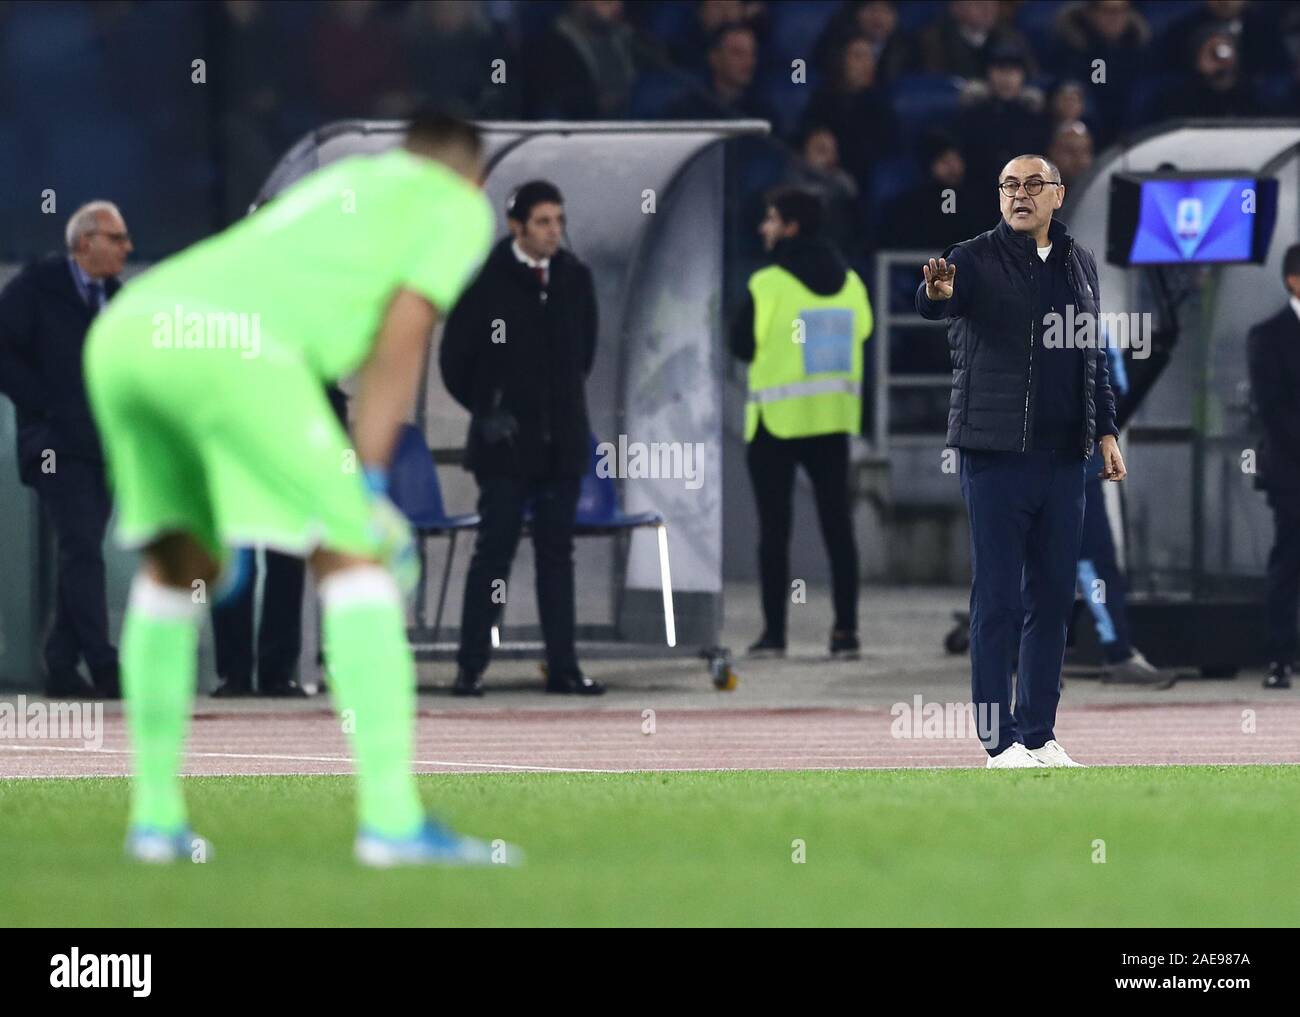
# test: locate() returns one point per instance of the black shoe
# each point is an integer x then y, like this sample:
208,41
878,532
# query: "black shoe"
1279,677
107,681
288,689
467,683
574,684
767,647
844,646
231,689
67,683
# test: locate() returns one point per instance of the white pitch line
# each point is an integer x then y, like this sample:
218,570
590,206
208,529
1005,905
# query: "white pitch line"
307,759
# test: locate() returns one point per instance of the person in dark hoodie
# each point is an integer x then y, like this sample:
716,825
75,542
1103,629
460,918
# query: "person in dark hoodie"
516,353
801,329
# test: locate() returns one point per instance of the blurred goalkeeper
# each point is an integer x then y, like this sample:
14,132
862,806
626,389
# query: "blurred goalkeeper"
205,378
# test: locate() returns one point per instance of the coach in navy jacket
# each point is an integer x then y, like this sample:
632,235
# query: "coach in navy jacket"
45,312
1028,403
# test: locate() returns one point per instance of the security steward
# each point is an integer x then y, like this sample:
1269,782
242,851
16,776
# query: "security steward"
802,328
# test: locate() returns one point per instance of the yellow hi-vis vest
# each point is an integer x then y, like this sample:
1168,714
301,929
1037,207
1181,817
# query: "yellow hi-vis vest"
806,376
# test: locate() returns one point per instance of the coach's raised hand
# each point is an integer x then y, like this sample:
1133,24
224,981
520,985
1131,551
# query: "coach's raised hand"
939,275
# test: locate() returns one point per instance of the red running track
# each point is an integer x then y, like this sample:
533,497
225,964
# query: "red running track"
613,741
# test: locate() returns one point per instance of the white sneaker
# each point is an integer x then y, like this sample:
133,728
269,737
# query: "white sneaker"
1052,754
1014,756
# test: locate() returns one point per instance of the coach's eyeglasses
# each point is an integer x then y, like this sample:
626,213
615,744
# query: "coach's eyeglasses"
1033,186
117,238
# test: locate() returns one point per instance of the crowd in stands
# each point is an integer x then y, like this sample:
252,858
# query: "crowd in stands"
879,106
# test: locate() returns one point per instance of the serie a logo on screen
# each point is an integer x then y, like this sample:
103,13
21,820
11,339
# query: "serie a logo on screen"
1188,218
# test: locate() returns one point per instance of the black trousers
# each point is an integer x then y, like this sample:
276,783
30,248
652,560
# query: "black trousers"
501,504
279,636
1284,576
772,462
76,501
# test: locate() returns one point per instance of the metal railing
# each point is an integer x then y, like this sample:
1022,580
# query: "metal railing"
887,382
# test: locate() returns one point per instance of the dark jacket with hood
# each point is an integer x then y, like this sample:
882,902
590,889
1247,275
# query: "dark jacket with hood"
995,339
518,358
814,262
43,325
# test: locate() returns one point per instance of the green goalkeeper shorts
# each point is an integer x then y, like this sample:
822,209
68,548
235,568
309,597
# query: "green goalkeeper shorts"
230,440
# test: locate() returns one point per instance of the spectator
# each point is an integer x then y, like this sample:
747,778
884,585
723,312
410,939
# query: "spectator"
1216,87
1110,31
451,45
1071,150
960,42
817,170
356,62
585,65
730,93
877,21
691,50
856,110
941,210
529,436
1273,347
45,312
1066,103
1252,26
1007,120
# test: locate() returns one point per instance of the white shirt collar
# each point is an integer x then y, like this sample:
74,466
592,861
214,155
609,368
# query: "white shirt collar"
1295,306
545,263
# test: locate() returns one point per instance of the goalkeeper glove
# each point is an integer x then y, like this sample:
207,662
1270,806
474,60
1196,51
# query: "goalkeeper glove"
392,530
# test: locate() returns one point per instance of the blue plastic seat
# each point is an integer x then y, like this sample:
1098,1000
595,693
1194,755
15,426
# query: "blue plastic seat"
413,487
598,510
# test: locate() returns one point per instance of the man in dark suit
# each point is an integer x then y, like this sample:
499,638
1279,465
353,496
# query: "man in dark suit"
516,353
1273,348
45,312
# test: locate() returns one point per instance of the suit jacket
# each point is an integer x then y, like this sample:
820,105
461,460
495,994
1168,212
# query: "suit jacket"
43,325
535,371
1273,351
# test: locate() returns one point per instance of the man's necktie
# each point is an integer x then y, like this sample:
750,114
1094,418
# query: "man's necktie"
541,275
95,296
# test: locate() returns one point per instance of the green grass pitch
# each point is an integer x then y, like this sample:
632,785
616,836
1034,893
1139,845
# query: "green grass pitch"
1182,846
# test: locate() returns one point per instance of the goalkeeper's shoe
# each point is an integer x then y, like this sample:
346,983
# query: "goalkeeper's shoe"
157,847
433,844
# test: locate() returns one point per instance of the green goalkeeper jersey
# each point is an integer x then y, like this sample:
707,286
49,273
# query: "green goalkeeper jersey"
317,266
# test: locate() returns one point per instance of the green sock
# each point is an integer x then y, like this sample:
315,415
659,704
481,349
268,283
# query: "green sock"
372,680
159,666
